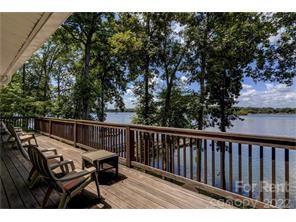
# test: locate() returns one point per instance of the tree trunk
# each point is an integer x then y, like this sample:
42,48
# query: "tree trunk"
101,114
23,88
223,129
58,90
85,75
201,102
146,77
59,86
146,92
166,112
202,77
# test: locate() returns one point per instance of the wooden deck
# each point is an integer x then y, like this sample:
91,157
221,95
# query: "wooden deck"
133,188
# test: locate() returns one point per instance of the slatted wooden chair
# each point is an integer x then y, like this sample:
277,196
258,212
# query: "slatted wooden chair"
50,153
68,184
24,137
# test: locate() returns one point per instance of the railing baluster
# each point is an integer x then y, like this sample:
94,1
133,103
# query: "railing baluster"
163,151
118,142
230,168
178,156
167,152
287,185
137,146
213,163
184,157
113,138
104,141
240,166
125,144
121,142
261,174
250,170
146,157
158,150
148,149
141,147
205,161
191,159
222,165
198,160
153,150
172,148
273,179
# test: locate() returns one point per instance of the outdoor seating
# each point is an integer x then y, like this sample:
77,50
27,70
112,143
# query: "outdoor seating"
67,184
50,153
23,136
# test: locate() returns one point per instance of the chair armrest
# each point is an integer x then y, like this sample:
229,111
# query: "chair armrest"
44,150
63,163
18,129
60,156
82,173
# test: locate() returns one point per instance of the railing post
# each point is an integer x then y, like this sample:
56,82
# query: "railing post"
130,146
50,128
35,123
75,133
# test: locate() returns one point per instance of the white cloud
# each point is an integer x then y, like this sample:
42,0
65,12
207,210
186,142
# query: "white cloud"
274,95
184,79
129,93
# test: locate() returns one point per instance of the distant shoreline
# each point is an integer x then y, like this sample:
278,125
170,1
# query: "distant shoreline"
241,111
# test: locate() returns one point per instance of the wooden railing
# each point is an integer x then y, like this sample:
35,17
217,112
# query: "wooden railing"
89,135
26,123
244,168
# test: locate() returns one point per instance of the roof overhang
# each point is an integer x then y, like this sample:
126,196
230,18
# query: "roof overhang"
21,34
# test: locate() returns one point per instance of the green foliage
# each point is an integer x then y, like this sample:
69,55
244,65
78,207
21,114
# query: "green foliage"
276,57
91,61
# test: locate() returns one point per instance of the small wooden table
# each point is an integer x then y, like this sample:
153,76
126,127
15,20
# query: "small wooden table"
98,158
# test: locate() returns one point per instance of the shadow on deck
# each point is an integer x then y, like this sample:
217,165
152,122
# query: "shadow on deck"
132,189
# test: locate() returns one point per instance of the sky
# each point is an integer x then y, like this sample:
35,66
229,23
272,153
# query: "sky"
253,94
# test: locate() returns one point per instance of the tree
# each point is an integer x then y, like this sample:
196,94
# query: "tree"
276,57
170,58
135,42
198,35
82,29
109,70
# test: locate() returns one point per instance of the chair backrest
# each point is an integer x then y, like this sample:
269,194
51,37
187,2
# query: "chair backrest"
19,145
40,162
3,127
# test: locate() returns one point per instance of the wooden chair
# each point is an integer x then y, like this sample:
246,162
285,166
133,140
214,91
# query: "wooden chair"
50,153
68,184
24,137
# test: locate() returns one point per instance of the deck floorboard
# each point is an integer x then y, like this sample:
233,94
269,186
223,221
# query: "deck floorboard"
133,188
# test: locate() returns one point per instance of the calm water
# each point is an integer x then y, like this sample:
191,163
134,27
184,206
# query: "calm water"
258,124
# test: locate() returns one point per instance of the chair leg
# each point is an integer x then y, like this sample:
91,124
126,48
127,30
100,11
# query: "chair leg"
48,192
35,141
64,201
97,184
34,179
32,171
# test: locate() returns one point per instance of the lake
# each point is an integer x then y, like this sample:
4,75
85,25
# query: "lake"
258,124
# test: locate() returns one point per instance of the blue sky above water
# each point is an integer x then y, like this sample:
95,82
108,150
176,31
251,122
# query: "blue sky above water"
254,94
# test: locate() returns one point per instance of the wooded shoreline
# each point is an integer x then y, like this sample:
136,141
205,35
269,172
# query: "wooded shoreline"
240,111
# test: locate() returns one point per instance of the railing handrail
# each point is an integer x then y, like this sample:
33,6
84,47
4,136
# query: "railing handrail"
271,141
